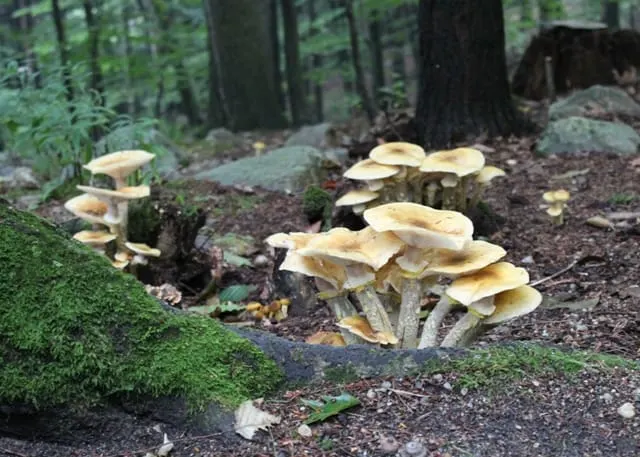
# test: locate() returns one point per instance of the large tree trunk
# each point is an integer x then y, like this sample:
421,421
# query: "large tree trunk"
295,86
463,86
611,14
241,64
275,46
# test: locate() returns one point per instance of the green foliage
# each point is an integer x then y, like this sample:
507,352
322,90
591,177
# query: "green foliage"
622,198
77,331
317,204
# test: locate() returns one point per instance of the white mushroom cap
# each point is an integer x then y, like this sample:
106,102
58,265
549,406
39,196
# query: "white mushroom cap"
421,226
369,169
293,240
375,184
346,247
488,173
88,207
487,282
475,255
310,266
360,326
143,249
514,303
94,238
117,196
356,197
119,164
398,153
460,161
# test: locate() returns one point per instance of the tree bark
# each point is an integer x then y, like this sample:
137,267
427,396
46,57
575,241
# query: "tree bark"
361,87
275,46
295,86
316,64
611,14
93,30
377,54
463,86
241,64
62,48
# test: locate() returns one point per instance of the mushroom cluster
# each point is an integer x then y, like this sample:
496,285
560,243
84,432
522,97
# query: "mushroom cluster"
557,200
107,209
404,172
407,252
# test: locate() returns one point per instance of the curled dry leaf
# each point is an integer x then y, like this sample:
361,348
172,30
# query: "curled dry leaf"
165,292
599,222
250,419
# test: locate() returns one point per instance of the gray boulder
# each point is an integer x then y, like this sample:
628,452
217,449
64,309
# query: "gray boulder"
595,99
288,169
578,134
221,139
319,136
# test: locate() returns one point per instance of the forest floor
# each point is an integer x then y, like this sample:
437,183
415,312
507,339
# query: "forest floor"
590,277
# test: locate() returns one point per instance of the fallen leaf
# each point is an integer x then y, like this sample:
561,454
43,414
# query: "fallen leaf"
330,406
599,222
571,174
250,419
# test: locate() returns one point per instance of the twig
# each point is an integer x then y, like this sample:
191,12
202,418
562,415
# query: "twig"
556,274
10,452
406,392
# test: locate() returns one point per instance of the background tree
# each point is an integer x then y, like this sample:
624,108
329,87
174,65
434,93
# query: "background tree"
463,85
294,68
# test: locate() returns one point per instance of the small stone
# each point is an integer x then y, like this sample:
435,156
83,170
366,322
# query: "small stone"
385,385
606,397
528,260
389,445
447,386
371,394
437,377
627,410
261,260
464,391
305,431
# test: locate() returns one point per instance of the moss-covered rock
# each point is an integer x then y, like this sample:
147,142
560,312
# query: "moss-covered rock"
77,331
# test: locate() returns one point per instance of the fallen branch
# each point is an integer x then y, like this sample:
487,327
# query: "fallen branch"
556,274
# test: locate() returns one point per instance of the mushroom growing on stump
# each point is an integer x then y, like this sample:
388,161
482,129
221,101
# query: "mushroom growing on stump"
89,208
509,305
141,251
408,156
458,164
373,173
361,253
477,292
483,181
95,239
475,256
119,165
116,218
357,199
419,227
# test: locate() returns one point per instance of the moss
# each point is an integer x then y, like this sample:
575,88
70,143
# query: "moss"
341,375
316,204
493,368
77,331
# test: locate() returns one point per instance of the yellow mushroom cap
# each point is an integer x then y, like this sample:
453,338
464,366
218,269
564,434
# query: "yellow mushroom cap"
460,161
475,256
123,256
390,275
514,303
356,197
554,210
346,247
487,282
293,240
120,264
116,196
421,226
488,173
97,238
360,326
398,153
88,207
556,196
369,169
310,266
143,249
119,164
328,338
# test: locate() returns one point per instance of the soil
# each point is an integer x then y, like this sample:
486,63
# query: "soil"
590,277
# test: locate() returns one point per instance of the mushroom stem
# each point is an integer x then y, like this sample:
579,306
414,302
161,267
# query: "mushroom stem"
121,239
477,194
474,333
409,319
465,325
417,185
433,322
373,309
340,306
448,197
461,204
432,193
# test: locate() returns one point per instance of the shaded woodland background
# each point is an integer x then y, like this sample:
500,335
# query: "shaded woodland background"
74,71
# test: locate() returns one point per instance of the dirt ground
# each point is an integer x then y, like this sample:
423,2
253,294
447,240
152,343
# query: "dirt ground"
590,277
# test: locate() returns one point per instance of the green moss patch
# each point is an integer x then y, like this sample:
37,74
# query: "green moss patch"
76,331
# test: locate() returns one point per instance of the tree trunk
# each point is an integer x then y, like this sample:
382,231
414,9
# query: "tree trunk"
377,55
241,63
62,48
295,86
275,46
463,86
611,14
93,30
316,64
361,86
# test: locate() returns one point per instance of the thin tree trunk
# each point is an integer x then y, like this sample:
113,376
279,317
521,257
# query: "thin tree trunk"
316,64
93,30
295,86
463,86
62,48
218,108
275,45
611,14
361,86
132,104
377,54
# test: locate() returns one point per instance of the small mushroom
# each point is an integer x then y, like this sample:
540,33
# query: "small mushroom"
483,181
141,251
89,208
119,165
408,156
373,173
327,338
557,200
95,239
360,326
357,199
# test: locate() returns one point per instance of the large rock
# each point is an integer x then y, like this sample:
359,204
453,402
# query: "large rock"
578,134
319,136
286,169
597,100
169,156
